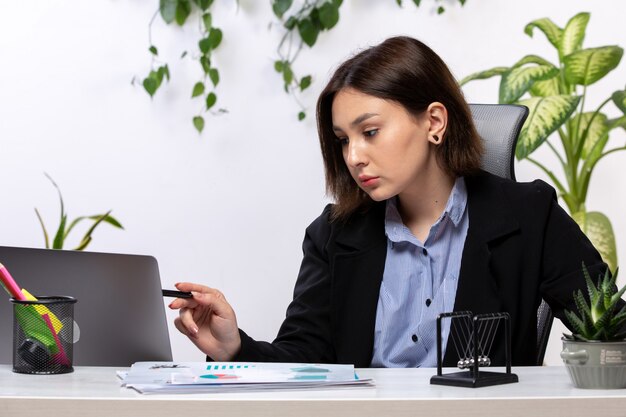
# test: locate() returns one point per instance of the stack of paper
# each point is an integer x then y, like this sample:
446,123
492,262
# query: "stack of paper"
196,377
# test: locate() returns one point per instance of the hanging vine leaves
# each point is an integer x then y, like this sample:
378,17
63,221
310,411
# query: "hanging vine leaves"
307,22
211,37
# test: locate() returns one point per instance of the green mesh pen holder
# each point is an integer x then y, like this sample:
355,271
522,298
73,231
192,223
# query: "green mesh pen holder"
43,335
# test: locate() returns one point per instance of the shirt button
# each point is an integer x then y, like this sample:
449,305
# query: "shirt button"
428,301
424,251
414,338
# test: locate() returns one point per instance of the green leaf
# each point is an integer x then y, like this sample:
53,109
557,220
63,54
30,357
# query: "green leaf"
204,4
183,10
198,123
204,45
215,37
163,71
150,85
43,228
545,88
59,237
547,26
399,2
329,15
519,79
619,98
87,238
211,98
417,2
440,10
291,23
278,66
597,135
599,230
153,50
587,66
287,75
168,10
484,74
301,116
308,31
207,21
337,3
546,114
214,75
280,7
305,82
618,122
574,34
198,89
205,62
107,219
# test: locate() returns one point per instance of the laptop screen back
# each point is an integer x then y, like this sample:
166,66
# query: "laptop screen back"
120,310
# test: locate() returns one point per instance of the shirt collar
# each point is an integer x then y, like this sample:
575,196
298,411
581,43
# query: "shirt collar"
395,229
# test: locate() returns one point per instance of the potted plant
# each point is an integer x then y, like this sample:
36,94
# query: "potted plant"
561,116
595,354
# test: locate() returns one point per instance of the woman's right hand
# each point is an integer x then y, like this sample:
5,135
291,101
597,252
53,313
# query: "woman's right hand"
208,321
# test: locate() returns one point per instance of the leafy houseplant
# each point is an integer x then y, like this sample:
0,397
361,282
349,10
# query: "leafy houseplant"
560,116
64,228
595,354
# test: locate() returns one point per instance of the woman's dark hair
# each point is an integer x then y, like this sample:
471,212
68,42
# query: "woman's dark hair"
406,71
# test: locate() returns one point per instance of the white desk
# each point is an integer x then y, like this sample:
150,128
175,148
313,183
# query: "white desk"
95,391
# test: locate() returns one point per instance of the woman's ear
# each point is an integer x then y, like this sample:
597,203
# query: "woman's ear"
437,116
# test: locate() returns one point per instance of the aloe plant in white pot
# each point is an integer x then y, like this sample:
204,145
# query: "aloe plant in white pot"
595,354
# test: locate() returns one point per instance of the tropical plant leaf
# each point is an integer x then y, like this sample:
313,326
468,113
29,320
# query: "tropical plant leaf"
484,74
546,88
597,133
519,79
574,34
214,75
597,227
546,114
587,66
210,101
619,98
591,288
547,26
207,20
618,122
87,238
577,325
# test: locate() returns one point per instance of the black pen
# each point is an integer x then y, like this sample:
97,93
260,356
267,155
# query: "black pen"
176,294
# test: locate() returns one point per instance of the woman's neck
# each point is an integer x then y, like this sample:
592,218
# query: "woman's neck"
422,204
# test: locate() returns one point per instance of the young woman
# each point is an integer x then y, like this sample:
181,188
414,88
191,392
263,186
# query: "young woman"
417,229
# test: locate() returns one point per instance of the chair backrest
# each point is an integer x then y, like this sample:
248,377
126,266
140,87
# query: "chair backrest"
499,126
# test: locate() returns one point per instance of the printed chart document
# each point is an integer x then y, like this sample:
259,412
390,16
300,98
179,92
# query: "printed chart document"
198,377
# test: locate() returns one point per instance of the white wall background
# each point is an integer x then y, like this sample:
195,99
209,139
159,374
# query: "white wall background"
227,208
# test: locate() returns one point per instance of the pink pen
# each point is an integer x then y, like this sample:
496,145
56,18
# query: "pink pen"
9,284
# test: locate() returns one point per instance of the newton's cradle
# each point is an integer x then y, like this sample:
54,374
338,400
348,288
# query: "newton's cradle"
472,337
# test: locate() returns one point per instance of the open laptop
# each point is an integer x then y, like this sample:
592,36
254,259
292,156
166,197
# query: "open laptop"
120,309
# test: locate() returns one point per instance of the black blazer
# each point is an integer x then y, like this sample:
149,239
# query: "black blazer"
520,246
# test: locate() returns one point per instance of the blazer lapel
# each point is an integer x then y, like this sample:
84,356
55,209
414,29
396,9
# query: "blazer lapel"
357,267
489,220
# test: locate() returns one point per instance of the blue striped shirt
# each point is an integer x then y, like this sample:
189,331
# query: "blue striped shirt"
419,283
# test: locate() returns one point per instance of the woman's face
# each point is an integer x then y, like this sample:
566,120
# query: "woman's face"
388,151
